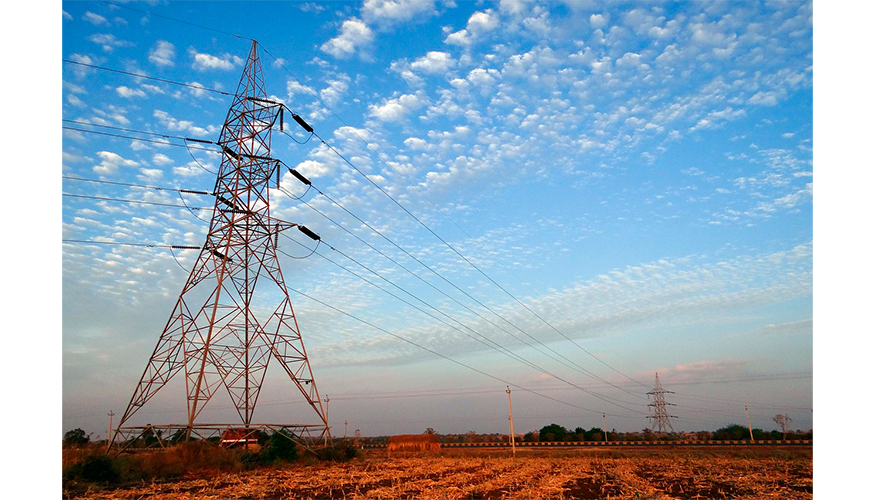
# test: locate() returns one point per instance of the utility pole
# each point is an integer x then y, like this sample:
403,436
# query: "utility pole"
109,435
345,423
746,414
510,408
605,426
327,425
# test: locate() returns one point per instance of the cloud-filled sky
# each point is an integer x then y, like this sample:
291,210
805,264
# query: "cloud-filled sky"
565,196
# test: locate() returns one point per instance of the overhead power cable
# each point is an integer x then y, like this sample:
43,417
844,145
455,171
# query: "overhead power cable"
165,143
472,264
201,26
476,335
139,75
477,268
127,184
198,87
136,202
122,243
436,353
279,63
567,362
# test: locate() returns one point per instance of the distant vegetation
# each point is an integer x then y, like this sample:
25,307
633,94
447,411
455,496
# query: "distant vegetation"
86,464
556,432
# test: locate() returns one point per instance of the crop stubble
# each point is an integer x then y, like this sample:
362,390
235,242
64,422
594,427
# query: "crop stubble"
461,476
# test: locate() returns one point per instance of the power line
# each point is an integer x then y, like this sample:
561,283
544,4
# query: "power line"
309,129
436,353
136,202
477,268
486,341
419,221
165,143
569,363
139,75
127,184
122,243
444,241
235,35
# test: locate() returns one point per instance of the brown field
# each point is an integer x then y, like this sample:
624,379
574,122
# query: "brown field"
533,474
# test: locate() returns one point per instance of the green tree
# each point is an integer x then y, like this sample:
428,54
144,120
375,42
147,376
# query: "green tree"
553,432
279,446
733,432
594,434
75,438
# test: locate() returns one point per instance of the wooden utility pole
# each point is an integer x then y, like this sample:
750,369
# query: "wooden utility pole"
605,426
749,428
510,408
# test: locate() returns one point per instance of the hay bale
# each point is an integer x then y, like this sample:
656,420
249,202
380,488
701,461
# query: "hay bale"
414,443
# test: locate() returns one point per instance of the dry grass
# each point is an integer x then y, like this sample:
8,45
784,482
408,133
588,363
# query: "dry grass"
413,443
466,475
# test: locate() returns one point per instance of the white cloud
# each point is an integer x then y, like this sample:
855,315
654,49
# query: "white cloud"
162,53
514,6
415,143
434,62
161,159
396,11
335,91
94,19
598,21
150,174
128,92
481,22
108,42
191,169
181,125
204,62
764,98
196,89
478,24
312,169
483,77
293,87
110,163
354,35
398,108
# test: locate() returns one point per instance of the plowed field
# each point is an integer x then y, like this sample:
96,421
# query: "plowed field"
640,475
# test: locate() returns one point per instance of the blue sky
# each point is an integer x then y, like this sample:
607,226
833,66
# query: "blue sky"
619,189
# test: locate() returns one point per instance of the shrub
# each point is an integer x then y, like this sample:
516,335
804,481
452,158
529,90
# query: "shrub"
95,469
279,446
340,451
75,438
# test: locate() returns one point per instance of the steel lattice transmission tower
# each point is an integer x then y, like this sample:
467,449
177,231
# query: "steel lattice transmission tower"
233,316
661,418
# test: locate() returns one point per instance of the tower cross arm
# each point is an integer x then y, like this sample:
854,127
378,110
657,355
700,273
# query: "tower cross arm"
281,225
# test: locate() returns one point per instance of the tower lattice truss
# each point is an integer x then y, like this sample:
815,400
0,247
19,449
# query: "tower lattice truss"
233,316
661,418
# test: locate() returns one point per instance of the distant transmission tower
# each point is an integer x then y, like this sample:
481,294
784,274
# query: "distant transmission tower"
233,316
661,418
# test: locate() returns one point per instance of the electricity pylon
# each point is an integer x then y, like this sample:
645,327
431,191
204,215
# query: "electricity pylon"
234,314
661,418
